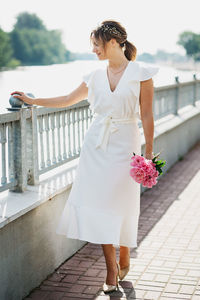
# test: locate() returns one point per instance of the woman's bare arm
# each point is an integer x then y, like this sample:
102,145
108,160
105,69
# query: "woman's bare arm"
146,108
77,95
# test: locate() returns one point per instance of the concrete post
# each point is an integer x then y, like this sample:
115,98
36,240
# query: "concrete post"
20,157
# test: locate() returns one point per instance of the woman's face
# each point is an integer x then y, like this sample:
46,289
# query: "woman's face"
98,48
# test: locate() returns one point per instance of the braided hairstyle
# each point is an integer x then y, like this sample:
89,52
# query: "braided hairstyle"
109,29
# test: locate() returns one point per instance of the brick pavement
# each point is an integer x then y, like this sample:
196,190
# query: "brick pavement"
166,263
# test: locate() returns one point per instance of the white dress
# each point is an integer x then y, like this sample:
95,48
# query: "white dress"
104,203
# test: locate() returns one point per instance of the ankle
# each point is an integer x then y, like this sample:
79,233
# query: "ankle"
111,277
124,266
124,262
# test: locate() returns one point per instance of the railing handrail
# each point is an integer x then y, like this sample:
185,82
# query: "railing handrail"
41,138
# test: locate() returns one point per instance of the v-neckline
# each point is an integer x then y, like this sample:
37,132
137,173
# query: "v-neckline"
106,69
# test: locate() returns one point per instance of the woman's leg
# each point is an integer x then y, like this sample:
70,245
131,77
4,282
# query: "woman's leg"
111,265
124,258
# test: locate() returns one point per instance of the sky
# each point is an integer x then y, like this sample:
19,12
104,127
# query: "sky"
150,25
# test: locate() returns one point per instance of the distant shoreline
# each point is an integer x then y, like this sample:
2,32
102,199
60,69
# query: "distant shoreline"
183,66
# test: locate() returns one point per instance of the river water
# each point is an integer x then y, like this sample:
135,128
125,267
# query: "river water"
60,79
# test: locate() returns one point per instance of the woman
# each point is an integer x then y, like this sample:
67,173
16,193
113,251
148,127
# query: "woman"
104,203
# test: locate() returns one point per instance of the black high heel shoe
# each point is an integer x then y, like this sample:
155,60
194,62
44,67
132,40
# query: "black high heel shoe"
109,287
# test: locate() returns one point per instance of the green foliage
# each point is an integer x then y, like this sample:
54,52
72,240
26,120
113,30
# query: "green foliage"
33,46
162,55
29,21
191,42
5,49
13,63
30,43
159,164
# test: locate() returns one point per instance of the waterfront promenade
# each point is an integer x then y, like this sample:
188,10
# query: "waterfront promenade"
166,263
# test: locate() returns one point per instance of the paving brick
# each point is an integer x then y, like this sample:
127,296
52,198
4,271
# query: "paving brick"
195,273
92,272
152,295
102,297
91,282
148,276
171,264
195,297
79,288
162,278
149,287
166,263
39,295
55,296
86,264
90,278
92,289
171,288
56,277
151,283
71,296
180,272
157,262
76,271
175,296
54,288
183,281
187,289
70,278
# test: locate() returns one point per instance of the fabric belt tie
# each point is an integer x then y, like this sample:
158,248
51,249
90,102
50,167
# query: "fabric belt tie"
109,127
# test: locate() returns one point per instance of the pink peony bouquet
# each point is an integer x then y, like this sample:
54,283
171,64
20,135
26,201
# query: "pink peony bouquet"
146,171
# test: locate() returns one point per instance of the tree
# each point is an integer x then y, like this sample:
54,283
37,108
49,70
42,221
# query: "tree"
38,47
191,42
146,57
33,44
5,48
29,21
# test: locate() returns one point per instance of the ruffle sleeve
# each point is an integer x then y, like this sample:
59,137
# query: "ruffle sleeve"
140,71
147,71
88,78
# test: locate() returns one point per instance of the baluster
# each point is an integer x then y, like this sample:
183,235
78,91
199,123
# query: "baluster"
3,141
40,121
69,132
79,130
52,118
10,152
176,106
83,123
58,133
74,130
32,147
46,122
64,135
90,116
86,112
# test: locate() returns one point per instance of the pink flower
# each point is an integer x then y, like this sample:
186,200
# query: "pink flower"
137,160
137,174
143,171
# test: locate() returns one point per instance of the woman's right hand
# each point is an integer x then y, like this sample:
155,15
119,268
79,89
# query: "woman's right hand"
23,97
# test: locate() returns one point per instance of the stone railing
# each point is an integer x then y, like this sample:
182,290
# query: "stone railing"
35,140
